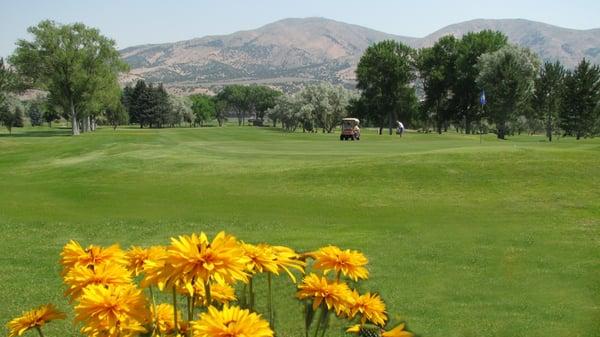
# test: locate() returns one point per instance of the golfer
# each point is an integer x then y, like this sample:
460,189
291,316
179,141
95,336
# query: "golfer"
400,128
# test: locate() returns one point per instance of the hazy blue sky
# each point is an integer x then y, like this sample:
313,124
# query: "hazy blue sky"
152,21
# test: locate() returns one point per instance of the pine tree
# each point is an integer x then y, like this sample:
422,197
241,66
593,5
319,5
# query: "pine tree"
581,96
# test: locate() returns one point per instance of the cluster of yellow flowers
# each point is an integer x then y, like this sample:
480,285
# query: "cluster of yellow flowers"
335,295
101,282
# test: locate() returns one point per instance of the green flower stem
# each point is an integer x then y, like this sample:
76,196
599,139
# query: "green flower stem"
189,307
270,300
39,330
244,296
321,317
154,309
207,293
175,310
325,323
251,293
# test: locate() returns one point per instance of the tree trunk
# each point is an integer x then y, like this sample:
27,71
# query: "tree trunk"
85,124
467,126
549,128
501,130
74,122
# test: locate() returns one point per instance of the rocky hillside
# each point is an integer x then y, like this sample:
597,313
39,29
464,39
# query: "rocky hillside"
568,46
290,52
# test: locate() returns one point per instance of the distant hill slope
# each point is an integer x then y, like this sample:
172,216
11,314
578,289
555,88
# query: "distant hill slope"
568,46
289,52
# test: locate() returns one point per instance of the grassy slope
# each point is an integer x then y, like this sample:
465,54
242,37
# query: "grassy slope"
465,239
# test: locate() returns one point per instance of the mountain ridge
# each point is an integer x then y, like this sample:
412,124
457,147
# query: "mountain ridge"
290,52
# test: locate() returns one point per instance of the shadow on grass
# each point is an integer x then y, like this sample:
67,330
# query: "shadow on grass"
58,132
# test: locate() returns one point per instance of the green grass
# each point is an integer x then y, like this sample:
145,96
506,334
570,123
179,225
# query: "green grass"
500,238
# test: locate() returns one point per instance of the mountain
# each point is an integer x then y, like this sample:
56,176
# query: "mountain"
551,43
291,52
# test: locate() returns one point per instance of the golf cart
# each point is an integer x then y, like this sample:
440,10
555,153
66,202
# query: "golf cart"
350,129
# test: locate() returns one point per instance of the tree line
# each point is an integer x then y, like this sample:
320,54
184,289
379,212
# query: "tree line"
436,88
477,83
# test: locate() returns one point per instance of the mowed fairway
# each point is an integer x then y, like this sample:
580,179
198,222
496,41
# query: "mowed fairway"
464,239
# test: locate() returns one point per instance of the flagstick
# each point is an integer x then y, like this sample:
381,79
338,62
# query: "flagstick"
482,101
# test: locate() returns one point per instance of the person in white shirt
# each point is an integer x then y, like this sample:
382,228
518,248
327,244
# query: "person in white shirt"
400,128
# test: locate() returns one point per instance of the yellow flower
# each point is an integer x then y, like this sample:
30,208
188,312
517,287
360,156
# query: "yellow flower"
126,328
230,322
261,258
184,329
336,295
273,259
164,318
398,331
220,292
112,310
35,318
137,257
369,306
286,258
348,262
362,330
74,255
156,270
80,277
354,329
194,258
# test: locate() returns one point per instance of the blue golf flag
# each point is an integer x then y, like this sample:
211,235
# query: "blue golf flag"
482,100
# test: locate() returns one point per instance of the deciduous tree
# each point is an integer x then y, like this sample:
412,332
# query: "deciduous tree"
324,105
71,62
204,108
507,76
465,89
11,113
548,93
437,69
384,74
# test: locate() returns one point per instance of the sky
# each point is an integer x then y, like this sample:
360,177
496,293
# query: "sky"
137,22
